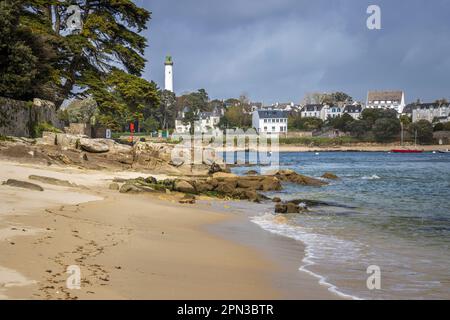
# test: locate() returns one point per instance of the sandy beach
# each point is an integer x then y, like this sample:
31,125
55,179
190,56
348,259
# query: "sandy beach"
134,246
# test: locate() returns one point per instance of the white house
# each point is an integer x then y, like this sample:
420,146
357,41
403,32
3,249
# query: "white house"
431,112
353,110
207,121
270,121
313,111
330,112
204,122
386,100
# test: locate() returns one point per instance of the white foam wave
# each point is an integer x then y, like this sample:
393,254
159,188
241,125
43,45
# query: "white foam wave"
313,244
372,177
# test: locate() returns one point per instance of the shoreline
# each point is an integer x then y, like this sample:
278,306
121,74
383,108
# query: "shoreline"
135,247
360,148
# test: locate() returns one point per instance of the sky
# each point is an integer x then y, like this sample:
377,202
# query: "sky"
280,50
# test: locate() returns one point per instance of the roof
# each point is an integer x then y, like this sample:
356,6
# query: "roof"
205,115
351,108
312,107
265,114
384,95
430,105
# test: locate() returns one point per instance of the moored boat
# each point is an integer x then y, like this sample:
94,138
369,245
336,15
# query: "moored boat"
406,151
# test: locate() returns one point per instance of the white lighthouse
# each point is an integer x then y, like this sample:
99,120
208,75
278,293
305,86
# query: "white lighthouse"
169,74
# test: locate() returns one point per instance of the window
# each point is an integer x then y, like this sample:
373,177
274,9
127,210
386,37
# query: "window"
265,128
265,120
273,128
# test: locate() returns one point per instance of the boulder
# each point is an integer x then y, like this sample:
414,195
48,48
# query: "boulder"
280,208
276,199
214,168
292,208
226,188
271,184
23,184
330,176
176,162
184,186
93,145
251,173
187,199
294,177
114,186
52,181
130,188
224,175
254,184
204,186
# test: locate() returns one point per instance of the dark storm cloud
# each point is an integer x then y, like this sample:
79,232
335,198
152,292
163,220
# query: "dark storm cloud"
277,50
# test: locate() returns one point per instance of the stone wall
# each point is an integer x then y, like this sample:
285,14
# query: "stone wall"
18,118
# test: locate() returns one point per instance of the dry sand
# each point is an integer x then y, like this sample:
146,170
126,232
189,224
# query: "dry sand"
127,246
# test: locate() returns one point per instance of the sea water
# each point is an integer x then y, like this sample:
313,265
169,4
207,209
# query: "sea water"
386,210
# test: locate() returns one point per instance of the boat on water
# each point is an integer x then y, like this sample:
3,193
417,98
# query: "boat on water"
444,151
406,151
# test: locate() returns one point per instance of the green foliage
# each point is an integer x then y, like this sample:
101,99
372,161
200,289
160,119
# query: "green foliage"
304,123
340,122
424,131
385,129
372,115
166,112
235,117
150,125
358,128
29,56
442,126
196,101
123,98
39,128
81,111
318,141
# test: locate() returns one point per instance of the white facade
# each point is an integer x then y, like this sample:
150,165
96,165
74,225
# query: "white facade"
270,121
386,100
354,111
168,74
206,122
431,112
313,111
331,112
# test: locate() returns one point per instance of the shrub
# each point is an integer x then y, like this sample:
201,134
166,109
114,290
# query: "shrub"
43,126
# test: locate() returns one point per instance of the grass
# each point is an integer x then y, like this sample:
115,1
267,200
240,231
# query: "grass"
44,126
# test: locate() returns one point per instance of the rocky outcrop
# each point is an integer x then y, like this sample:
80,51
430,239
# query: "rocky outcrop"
23,185
289,207
187,199
52,181
330,176
93,145
294,177
184,186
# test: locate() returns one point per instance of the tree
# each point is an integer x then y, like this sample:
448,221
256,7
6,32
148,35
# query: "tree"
358,128
424,131
384,129
372,115
306,123
197,101
109,38
341,122
82,111
235,117
150,125
166,112
123,98
30,54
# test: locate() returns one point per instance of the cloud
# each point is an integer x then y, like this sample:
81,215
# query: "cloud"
279,50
